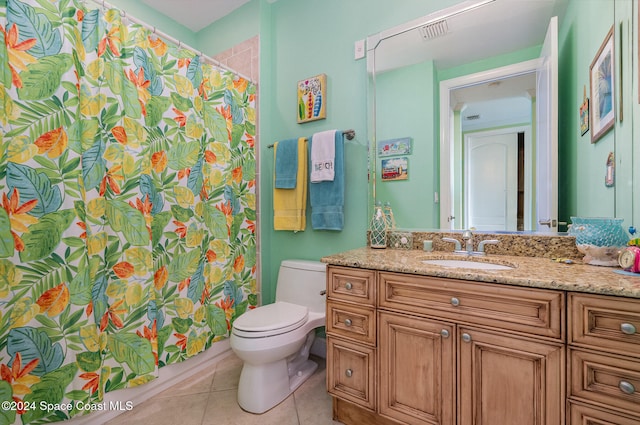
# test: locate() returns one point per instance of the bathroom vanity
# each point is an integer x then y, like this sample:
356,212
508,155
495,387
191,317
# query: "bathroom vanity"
538,343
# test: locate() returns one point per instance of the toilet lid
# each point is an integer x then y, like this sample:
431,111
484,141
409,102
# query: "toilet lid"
279,316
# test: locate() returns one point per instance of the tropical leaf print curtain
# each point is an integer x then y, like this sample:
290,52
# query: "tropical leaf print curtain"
127,219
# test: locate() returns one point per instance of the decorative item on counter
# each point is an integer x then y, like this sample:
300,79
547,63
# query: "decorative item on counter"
378,228
563,260
629,259
599,239
388,213
401,240
427,246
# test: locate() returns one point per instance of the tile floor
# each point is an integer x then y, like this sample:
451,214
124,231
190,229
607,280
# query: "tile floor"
211,399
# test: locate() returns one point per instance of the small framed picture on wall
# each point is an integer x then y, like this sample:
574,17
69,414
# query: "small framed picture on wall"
395,169
312,98
602,85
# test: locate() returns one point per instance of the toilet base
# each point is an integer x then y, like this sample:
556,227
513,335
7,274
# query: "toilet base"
264,386
302,375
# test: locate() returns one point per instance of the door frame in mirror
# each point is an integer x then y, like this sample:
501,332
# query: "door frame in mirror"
446,126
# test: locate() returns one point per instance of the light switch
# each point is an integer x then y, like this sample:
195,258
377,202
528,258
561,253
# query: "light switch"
359,49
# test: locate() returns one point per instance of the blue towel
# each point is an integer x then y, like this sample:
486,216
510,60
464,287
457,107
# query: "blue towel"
327,197
286,164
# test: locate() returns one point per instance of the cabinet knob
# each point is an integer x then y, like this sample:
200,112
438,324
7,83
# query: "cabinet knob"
466,337
628,328
349,373
348,286
444,333
455,302
626,387
347,322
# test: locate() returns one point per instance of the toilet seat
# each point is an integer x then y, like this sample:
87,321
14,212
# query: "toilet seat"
272,319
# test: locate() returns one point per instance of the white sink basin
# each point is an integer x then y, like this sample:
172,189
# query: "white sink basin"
464,264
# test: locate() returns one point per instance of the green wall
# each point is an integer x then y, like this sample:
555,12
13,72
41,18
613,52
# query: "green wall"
412,199
307,38
240,25
141,11
582,164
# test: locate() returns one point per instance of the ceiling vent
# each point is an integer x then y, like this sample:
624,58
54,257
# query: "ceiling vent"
472,117
434,30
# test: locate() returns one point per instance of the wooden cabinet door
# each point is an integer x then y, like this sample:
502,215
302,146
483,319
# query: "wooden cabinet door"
417,370
509,380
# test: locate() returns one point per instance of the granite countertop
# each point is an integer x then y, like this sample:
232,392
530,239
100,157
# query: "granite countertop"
533,272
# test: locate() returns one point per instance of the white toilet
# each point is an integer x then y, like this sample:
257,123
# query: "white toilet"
274,340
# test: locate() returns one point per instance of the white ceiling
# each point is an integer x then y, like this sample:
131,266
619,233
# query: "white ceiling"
498,103
497,28
195,14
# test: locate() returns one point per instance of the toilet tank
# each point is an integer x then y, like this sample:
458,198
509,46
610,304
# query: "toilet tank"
301,282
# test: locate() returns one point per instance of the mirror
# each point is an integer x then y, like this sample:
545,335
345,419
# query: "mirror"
437,85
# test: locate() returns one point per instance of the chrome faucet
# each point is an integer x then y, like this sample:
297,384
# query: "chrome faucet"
467,237
457,247
486,242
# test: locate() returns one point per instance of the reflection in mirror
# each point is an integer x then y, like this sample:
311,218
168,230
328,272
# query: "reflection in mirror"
492,167
406,68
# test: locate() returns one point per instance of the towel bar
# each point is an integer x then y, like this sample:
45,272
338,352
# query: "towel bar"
349,134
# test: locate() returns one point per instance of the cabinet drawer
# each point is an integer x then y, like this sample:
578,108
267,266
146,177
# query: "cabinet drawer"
605,323
351,321
527,310
351,372
355,285
611,381
586,415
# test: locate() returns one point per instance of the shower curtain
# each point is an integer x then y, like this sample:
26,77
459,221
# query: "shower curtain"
127,218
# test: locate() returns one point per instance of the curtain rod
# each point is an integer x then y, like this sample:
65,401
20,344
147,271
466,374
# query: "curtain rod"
166,36
349,134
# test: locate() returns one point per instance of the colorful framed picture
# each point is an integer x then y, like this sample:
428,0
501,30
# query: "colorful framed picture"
312,99
584,117
395,169
602,84
392,147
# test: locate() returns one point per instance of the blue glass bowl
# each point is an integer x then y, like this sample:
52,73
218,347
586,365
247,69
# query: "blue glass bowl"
599,238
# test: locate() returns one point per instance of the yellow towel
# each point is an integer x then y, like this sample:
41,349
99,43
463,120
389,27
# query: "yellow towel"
289,205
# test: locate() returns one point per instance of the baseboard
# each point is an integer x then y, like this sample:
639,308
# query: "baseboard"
168,377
